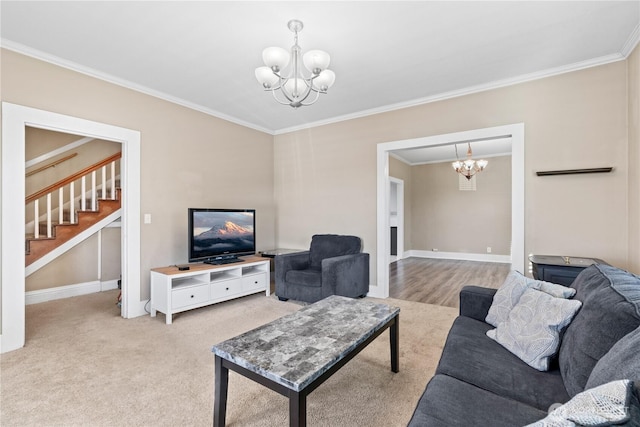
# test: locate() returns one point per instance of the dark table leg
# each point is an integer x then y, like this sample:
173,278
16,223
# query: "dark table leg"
297,409
394,341
221,387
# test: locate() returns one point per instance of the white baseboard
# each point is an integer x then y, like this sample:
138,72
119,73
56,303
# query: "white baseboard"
43,295
375,292
459,256
109,285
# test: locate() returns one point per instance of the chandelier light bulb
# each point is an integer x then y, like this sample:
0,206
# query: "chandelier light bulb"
283,74
295,87
468,164
275,58
324,80
316,61
266,77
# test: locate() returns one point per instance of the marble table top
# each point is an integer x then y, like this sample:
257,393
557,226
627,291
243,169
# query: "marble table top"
296,349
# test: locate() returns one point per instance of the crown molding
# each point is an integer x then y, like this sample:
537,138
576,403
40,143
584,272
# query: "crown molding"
399,158
73,66
631,42
497,84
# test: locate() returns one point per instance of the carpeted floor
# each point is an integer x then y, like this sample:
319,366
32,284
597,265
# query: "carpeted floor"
83,365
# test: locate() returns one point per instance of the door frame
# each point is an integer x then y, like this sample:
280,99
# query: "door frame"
14,120
400,214
515,131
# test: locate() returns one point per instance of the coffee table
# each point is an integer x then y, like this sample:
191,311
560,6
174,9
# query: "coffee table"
293,355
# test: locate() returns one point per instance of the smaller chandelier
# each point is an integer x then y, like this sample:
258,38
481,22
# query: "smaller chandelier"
468,167
293,86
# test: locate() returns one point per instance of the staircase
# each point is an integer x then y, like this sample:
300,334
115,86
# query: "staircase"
72,224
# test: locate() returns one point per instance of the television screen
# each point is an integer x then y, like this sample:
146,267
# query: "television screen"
216,234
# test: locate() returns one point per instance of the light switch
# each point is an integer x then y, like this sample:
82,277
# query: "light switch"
147,218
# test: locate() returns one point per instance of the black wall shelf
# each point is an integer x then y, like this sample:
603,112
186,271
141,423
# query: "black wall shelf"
574,171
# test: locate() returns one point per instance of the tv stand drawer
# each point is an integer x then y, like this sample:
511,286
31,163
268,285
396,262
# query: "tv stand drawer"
189,296
255,282
225,288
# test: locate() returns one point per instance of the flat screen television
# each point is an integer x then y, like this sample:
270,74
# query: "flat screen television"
220,236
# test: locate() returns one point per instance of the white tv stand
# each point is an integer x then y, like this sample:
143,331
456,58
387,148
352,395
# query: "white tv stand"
174,291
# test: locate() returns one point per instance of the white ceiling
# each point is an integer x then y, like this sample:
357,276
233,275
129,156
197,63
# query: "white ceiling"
386,54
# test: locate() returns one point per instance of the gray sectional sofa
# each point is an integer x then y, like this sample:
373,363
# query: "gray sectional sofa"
478,382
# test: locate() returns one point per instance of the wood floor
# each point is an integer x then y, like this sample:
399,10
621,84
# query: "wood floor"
439,281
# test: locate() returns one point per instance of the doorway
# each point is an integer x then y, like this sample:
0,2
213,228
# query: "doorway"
516,134
15,118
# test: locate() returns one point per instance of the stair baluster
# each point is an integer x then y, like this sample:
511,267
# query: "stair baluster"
49,229
61,205
36,215
93,191
83,191
113,180
72,210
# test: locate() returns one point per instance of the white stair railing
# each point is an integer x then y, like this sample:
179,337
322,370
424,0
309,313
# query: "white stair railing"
107,185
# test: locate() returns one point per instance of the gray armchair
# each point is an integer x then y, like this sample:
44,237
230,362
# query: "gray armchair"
333,265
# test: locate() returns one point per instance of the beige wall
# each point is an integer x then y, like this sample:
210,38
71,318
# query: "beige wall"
633,70
326,176
82,259
42,141
189,159
450,220
81,264
110,265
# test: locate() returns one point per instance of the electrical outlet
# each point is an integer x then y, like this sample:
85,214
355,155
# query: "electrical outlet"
434,250
488,249
147,218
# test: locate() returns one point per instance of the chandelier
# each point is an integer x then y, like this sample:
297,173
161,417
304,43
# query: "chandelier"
293,87
468,167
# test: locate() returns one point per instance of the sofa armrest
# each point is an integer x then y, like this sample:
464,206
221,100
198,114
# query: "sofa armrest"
475,301
346,275
286,262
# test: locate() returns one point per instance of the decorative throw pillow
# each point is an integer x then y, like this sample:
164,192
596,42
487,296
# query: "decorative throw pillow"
532,329
509,293
506,297
558,291
605,405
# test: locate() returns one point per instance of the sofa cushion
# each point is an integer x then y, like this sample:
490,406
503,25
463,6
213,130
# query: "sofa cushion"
532,330
610,310
332,245
470,356
308,277
621,362
449,402
613,403
512,289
